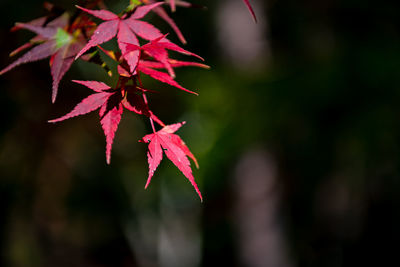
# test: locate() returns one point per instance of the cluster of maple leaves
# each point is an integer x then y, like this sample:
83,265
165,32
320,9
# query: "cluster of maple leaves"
65,38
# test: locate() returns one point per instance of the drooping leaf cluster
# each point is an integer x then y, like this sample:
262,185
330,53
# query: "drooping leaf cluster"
143,49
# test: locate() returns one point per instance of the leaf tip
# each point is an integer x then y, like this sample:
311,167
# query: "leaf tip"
77,81
148,181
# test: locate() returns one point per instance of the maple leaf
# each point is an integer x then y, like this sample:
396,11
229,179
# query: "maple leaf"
124,28
111,103
173,63
155,74
35,40
247,3
148,68
162,77
174,148
52,41
157,49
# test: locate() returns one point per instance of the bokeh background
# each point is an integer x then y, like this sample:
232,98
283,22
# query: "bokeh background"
297,131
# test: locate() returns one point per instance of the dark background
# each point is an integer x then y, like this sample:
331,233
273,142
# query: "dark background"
296,130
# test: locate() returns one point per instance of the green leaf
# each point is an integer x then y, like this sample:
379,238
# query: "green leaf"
62,38
133,4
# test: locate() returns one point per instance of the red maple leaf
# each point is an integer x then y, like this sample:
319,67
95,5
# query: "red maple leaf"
125,28
173,63
157,49
51,41
162,77
148,68
111,103
174,148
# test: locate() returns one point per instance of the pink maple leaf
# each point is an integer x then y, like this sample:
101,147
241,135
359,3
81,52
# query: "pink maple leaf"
174,148
125,29
48,45
157,49
111,103
173,63
162,77
148,68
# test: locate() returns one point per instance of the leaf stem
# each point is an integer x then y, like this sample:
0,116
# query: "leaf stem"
146,102
118,82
